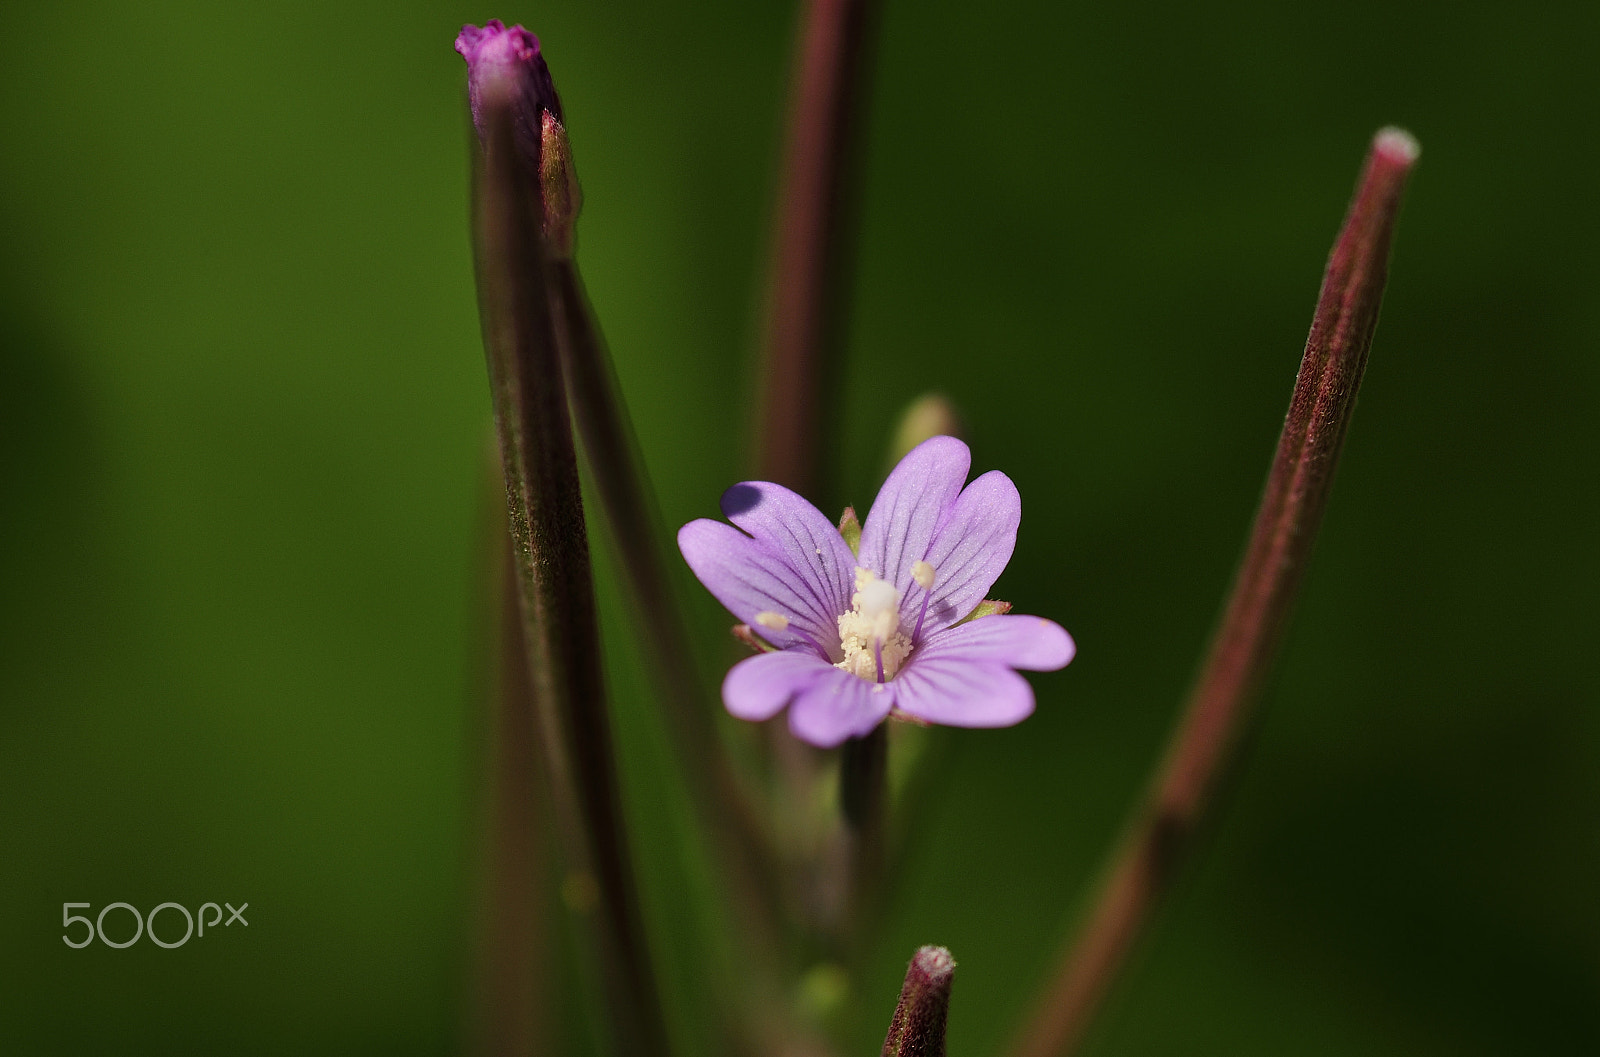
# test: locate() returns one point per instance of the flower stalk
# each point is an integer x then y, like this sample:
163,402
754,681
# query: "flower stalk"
548,532
1257,611
807,276
917,1029
863,801
611,454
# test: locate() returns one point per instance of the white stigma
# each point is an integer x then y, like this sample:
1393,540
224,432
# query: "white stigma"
874,647
775,621
879,602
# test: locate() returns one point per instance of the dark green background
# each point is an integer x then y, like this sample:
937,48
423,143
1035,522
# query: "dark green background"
243,416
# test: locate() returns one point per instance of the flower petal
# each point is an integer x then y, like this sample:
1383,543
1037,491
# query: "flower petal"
960,693
808,542
838,706
758,687
1016,641
969,551
747,577
909,508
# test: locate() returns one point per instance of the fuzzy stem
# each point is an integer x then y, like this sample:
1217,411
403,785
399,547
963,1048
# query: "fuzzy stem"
555,587
917,1029
514,987
1257,611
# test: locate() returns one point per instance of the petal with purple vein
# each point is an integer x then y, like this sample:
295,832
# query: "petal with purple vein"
909,508
960,693
747,577
758,687
809,544
970,550
1015,640
838,706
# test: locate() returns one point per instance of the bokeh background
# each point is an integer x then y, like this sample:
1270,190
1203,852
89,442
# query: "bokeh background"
243,416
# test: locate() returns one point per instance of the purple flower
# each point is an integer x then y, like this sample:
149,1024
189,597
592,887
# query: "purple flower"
859,636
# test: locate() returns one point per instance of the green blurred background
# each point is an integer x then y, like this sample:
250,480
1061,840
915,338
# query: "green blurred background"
242,425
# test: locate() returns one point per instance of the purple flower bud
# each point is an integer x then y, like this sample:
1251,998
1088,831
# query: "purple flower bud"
508,60
504,67
918,1026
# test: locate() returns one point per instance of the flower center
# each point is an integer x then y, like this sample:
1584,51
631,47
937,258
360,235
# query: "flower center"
874,646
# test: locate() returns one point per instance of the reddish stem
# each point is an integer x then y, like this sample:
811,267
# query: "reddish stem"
555,588
514,987
917,1029
1257,611
805,291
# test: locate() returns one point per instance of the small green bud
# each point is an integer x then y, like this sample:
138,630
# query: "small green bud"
989,607
929,415
559,182
850,529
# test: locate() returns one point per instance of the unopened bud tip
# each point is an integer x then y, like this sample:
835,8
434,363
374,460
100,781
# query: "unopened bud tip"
936,963
1397,145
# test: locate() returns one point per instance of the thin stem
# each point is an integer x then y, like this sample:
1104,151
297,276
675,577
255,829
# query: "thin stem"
863,800
612,456
806,285
740,845
514,985
1257,611
555,586
861,775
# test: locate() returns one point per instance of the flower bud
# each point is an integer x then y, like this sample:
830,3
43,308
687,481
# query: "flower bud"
929,415
558,182
918,1026
507,63
850,529
495,53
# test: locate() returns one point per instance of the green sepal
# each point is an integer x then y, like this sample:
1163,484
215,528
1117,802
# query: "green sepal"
850,529
989,607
